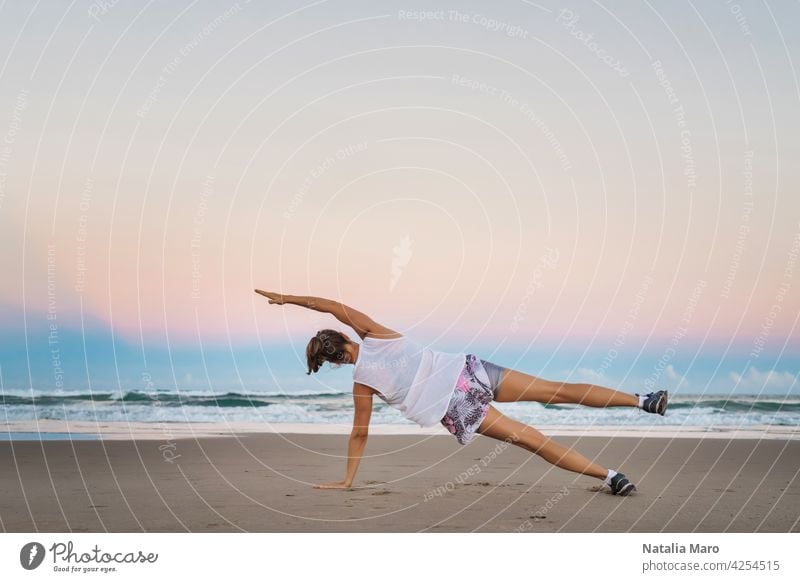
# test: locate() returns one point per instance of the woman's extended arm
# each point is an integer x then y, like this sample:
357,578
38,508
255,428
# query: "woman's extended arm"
360,322
362,399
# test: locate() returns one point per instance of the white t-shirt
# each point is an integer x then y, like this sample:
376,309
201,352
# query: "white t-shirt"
410,377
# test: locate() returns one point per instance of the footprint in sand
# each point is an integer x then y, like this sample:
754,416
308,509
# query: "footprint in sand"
382,493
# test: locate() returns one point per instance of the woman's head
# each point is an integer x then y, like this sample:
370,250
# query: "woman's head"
328,345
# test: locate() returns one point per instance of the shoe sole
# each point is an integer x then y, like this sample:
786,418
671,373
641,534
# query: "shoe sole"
661,407
626,490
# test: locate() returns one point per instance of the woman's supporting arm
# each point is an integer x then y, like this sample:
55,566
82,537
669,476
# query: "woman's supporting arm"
362,399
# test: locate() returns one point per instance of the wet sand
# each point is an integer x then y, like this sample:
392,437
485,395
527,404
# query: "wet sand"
262,482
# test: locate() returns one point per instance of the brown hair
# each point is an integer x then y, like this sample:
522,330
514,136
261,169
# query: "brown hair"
327,346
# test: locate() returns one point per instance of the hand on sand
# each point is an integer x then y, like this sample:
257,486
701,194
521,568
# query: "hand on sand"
333,485
276,298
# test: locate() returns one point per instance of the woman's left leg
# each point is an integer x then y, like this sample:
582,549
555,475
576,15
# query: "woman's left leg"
501,427
516,387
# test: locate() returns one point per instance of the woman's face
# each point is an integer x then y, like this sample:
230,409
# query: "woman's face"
349,355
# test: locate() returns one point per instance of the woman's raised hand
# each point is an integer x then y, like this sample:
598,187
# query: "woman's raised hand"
276,298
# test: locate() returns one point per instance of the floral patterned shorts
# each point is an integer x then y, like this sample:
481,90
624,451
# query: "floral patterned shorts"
470,401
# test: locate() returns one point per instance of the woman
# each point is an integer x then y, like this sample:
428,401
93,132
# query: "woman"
431,387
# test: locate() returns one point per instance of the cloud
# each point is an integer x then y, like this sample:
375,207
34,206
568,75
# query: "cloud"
770,379
672,374
589,375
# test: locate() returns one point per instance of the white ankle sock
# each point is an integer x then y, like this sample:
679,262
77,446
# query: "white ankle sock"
611,474
642,398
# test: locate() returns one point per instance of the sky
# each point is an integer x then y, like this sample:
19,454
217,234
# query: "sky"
585,191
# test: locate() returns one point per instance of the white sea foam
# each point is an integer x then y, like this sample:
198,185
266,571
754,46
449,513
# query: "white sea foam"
333,408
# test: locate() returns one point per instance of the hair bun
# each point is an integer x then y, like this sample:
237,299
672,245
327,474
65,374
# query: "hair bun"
314,354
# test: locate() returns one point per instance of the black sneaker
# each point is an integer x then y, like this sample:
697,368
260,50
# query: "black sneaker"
620,485
655,402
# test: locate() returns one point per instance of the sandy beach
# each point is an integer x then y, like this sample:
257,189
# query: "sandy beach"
407,483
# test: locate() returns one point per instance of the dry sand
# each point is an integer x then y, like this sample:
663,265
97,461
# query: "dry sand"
262,482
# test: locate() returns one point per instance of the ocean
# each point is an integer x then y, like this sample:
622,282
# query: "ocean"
336,407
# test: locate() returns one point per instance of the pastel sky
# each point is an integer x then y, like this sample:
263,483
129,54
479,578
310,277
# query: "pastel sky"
588,191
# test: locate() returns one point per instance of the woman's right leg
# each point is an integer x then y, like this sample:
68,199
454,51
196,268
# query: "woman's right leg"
519,387
501,427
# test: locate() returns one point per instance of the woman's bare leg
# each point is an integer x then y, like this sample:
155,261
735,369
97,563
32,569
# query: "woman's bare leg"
501,427
516,386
